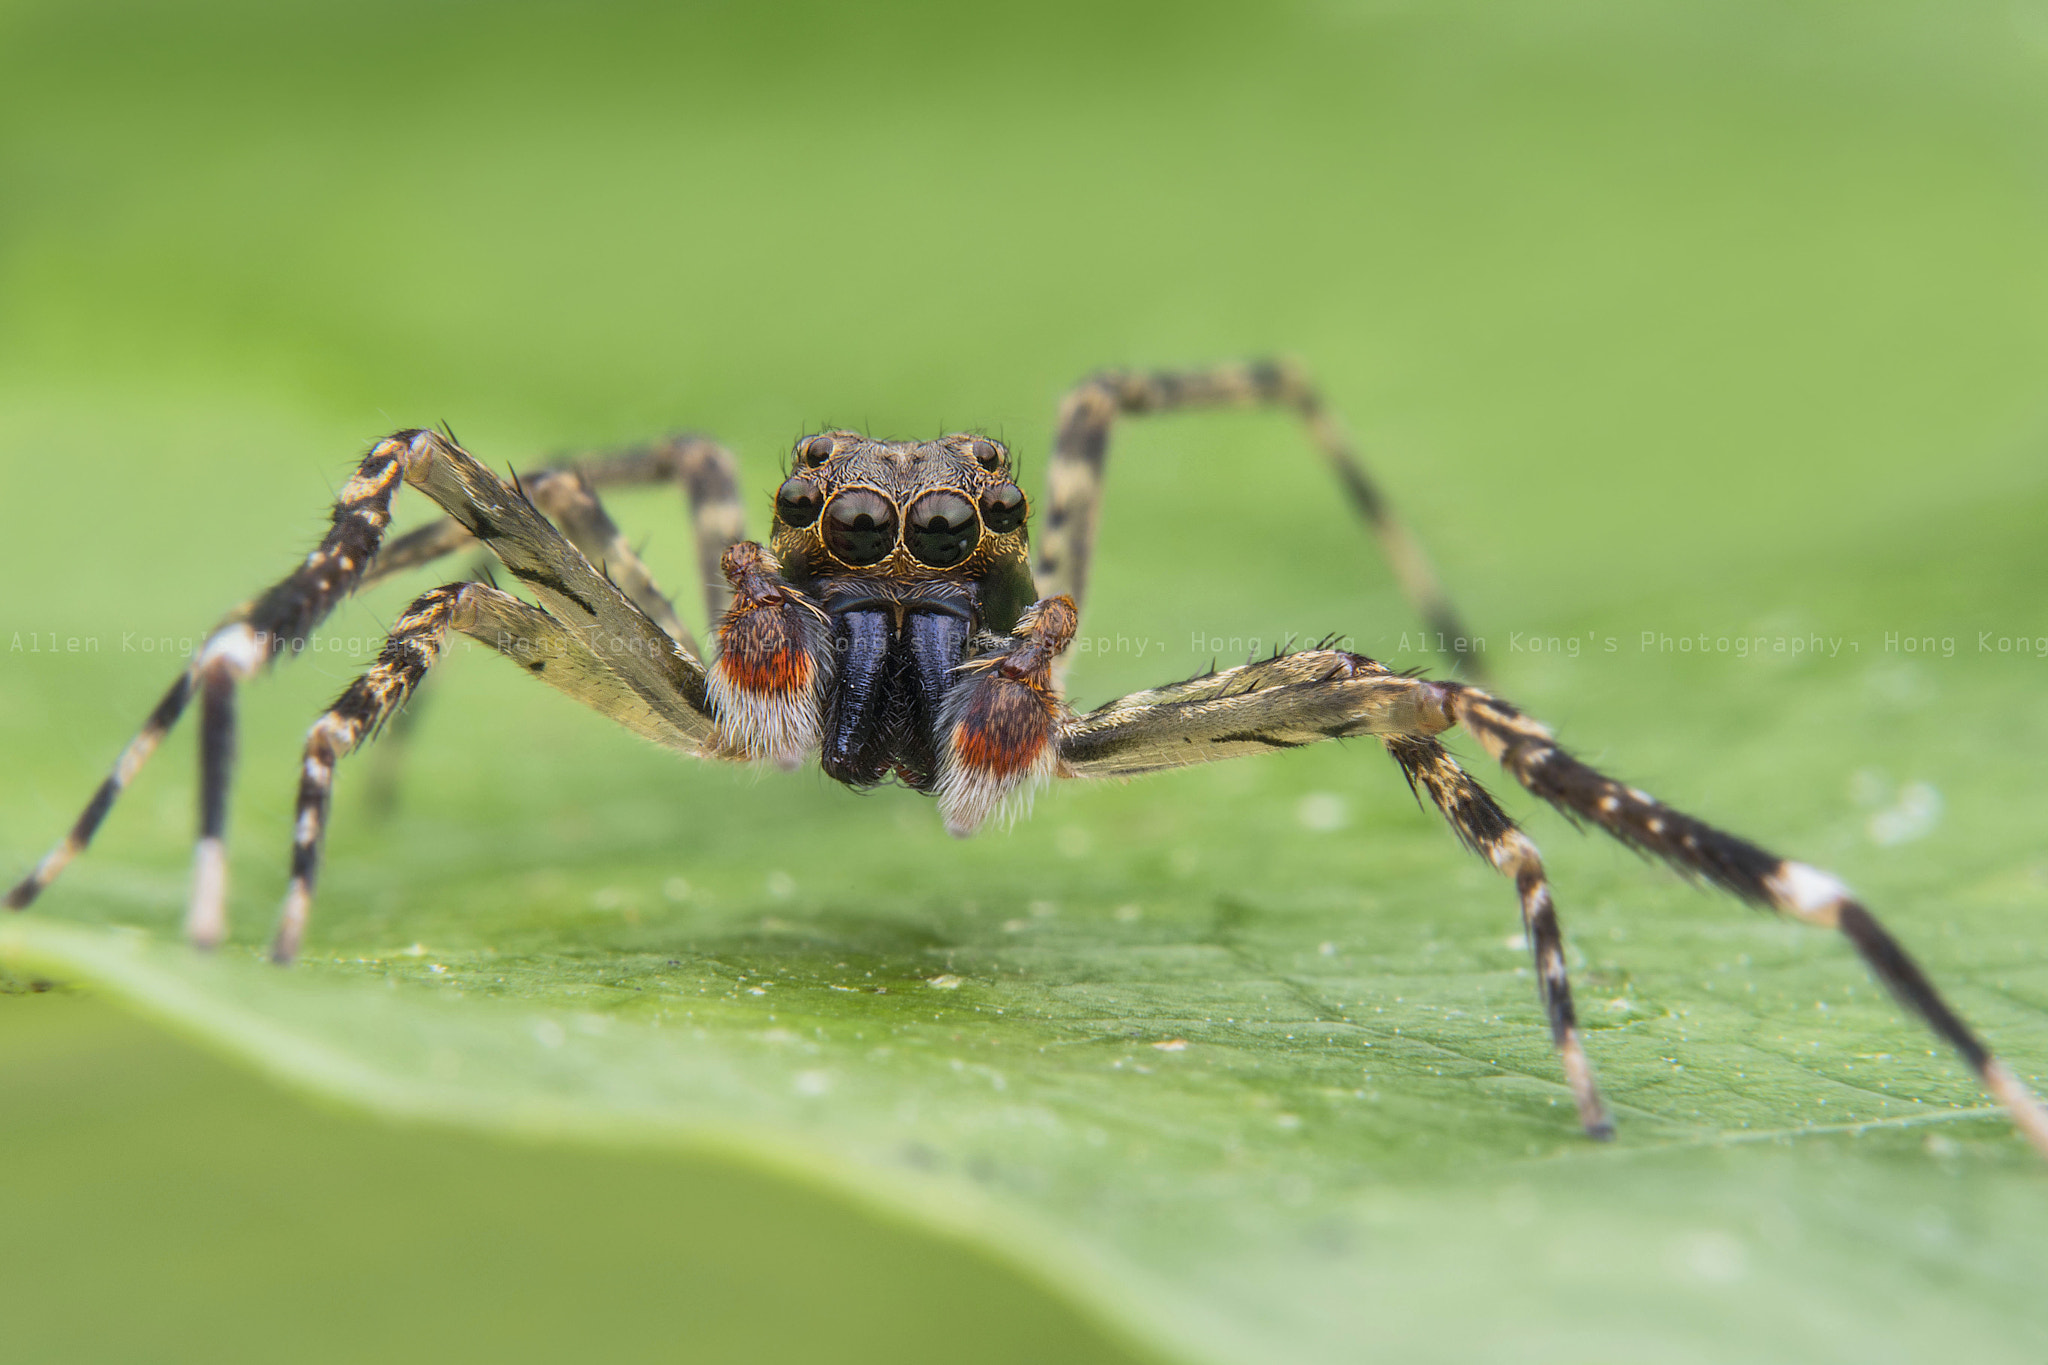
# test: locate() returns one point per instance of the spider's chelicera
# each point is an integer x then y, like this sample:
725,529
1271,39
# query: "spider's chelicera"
896,625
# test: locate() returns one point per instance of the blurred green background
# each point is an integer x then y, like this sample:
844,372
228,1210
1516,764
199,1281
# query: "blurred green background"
1655,319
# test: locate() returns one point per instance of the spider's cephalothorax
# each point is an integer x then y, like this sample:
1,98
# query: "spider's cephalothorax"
896,628
894,557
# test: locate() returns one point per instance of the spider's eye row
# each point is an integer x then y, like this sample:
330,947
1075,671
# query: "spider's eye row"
942,529
987,454
816,450
1002,508
860,527
798,502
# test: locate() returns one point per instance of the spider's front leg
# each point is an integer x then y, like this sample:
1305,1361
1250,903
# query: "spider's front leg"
704,469
568,495
1330,694
606,624
758,702
543,646
251,636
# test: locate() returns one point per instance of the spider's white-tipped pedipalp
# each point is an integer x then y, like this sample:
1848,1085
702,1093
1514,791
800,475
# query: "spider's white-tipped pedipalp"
998,725
980,777
774,662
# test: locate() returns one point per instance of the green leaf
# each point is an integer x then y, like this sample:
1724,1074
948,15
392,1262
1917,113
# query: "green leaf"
1678,348
1248,1085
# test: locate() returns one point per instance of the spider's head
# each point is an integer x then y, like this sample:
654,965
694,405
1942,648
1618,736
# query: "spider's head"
905,519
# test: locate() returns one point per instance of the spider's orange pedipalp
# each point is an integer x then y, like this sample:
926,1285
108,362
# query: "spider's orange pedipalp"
774,660
998,722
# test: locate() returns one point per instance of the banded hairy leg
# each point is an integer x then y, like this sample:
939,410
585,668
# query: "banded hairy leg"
707,474
1066,533
608,623
1315,695
704,469
546,648
566,496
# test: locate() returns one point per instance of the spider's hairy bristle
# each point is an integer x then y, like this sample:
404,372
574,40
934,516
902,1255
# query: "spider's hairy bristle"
1474,816
774,661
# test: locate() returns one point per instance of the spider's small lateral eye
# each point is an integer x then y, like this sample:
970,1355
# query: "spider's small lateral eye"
1002,508
798,502
987,454
816,450
943,529
860,527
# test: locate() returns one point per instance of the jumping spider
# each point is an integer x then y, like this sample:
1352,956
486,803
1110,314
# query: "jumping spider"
895,627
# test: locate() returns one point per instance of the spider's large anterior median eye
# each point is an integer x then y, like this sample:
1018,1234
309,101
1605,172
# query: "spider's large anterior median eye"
943,529
860,527
1002,508
798,502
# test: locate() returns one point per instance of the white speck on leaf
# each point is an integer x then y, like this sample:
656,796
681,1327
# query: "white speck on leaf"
1712,1257
1913,816
1322,812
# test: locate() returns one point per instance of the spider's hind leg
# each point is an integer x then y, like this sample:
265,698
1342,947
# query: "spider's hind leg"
1066,533
709,478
